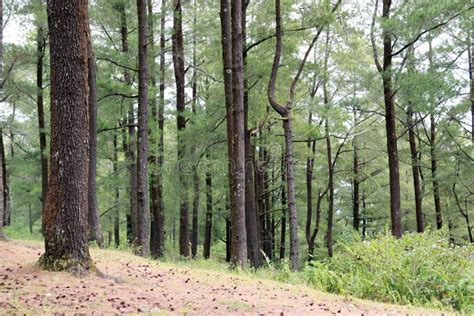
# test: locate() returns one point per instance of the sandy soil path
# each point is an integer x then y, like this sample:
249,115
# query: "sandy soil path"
151,287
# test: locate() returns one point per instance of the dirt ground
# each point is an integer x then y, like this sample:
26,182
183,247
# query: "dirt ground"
139,285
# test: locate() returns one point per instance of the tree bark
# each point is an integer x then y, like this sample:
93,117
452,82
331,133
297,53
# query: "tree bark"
433,149
95,233
2,189
415,164
117,193
131,146
208,224
65,233
356,181
156,239
390,125
179,72
196,193
285,113
284,208
143,217
239,235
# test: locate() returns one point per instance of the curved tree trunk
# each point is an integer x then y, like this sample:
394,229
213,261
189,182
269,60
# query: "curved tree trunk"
65,220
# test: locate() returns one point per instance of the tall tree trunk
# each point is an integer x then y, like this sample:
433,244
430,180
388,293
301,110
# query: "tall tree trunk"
415,164
239,235
251,216
433,149
356,181
117,193
160,224
284,209
285,113
155,179
95,233
390,125
471,76
196,193
179,72
5,189
143,217
40,51
2,189
329,239
208,224
311,146
131,146
65,233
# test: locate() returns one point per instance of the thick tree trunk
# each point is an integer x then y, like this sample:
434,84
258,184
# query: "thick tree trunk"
40,51
239,235
143,217
390,126
116,193
179,72
65,219
95,233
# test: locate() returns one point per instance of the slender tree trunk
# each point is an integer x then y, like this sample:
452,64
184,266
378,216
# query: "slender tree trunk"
131,146
179,72
95,233
143,221
196,193
65,233
285,113
433,149
40,51
160,224
390,126
208,224
364,216
471,76
228,237
155,179
284,208
2,189
117,193
309,186
251,216
415,164
5,189
356,181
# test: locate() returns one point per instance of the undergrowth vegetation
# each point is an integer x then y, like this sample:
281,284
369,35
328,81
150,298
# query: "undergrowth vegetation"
419,269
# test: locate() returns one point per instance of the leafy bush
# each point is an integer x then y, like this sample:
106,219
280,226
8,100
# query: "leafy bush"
420,269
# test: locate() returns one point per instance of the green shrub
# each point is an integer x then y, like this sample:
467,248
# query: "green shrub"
420,269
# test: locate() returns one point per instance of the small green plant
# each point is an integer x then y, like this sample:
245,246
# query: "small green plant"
420,269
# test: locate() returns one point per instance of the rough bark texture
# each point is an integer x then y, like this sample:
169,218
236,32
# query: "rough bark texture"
179,73
65,227
284,209
95,233
196,184
143,217
239,235
390,126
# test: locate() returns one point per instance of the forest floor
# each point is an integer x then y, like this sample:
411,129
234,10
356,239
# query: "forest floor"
137,285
